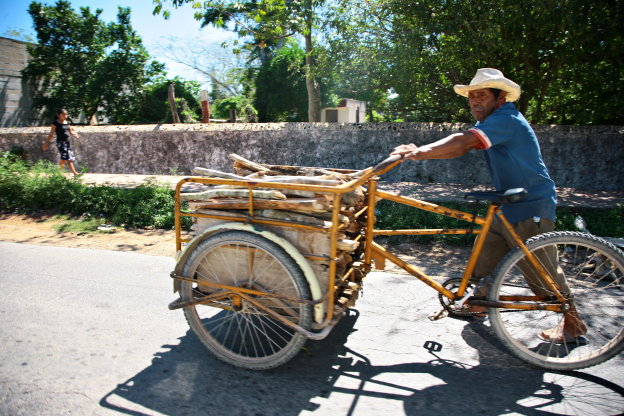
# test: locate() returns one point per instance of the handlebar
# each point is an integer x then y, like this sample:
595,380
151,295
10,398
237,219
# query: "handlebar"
380,168
387,164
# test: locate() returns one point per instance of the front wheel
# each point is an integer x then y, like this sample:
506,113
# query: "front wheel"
236,330
593,272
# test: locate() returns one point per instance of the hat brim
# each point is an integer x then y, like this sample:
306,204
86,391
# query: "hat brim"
511,88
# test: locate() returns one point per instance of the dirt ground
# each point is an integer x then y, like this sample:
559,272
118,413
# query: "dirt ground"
40,230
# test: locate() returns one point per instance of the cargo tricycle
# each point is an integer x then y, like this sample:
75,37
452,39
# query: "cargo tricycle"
279,255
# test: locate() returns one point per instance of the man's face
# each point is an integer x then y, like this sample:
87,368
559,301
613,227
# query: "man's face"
482,103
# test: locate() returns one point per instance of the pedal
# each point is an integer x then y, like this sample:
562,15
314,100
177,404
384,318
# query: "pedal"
442,313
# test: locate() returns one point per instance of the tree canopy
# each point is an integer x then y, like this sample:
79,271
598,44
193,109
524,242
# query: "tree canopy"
265,23
400,56
86,65
566,55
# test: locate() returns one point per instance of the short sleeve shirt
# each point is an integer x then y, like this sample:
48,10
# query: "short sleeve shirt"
62,131
514,160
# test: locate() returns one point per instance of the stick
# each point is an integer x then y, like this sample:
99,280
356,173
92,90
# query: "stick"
230,193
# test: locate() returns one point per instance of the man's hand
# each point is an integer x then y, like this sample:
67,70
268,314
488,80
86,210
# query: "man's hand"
408,151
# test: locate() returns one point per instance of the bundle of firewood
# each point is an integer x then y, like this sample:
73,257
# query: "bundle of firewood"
285,204
311,210
219,202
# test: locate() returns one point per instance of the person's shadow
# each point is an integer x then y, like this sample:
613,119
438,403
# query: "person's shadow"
187,380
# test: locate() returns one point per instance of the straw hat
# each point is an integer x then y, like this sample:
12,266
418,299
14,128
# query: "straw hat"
490,78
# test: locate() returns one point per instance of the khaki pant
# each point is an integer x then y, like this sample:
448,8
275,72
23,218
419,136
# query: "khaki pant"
498,243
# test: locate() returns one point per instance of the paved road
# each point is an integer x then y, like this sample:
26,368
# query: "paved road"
87,332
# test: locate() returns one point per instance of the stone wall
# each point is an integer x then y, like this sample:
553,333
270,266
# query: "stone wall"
578,157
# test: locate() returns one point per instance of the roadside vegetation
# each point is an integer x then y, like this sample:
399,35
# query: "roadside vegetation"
31,188
27,188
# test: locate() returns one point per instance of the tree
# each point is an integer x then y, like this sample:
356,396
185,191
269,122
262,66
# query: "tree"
155,106
85,65
267,22
358,40
567,55
280,93
223,68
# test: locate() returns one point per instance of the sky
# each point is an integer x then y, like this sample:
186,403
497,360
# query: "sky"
154,30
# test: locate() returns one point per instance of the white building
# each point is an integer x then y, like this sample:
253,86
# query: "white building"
348,111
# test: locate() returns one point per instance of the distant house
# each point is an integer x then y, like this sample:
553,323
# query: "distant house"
348,111
15,96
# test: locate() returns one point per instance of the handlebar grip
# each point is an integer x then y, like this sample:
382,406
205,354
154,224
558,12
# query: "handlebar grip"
387,162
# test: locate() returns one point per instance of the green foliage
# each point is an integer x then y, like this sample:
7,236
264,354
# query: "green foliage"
280,86
265,25
86,65
243,106
26,188
603,222
77,225
392,215
566,55
155,106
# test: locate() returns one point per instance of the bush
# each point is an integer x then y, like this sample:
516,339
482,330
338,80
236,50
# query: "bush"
27,188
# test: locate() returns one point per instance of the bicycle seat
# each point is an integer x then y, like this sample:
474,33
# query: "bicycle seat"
498,197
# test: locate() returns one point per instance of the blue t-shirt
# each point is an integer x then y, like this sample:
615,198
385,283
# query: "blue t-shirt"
514,160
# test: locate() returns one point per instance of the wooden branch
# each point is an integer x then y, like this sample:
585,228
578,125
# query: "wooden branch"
302,180
248,164
292,204
289,216
347,245
231,193
217,174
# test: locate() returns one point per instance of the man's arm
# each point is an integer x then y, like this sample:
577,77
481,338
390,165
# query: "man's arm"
449,147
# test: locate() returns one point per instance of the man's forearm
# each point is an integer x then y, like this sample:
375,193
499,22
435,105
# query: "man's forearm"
449,147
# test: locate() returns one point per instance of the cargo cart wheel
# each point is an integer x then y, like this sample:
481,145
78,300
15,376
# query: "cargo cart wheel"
594,272
234,329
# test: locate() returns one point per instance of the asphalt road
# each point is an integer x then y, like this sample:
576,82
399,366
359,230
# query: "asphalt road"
88,332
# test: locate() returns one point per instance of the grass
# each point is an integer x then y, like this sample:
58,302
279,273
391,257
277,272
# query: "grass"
66,224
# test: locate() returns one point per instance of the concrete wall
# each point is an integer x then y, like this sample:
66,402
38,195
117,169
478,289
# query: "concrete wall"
15,101
579,157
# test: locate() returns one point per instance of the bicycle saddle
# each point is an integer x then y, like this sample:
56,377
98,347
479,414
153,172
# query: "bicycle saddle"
498,197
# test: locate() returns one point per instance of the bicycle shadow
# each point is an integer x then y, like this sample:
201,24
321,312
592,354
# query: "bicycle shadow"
187,380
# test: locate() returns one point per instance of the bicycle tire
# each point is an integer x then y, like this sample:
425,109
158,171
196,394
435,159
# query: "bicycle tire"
594,270
244,335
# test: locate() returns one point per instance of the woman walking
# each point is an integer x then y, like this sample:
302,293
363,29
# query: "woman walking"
63,131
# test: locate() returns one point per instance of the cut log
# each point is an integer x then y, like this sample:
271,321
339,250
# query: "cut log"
230,193
347,245
291,204
290,216
248,164
302,180
218,174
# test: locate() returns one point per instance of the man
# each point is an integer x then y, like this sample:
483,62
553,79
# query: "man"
514,160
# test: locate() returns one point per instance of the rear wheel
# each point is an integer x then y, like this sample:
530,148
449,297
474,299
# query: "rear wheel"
594,271
234,329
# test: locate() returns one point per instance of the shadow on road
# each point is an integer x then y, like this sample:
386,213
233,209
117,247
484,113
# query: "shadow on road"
326,375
